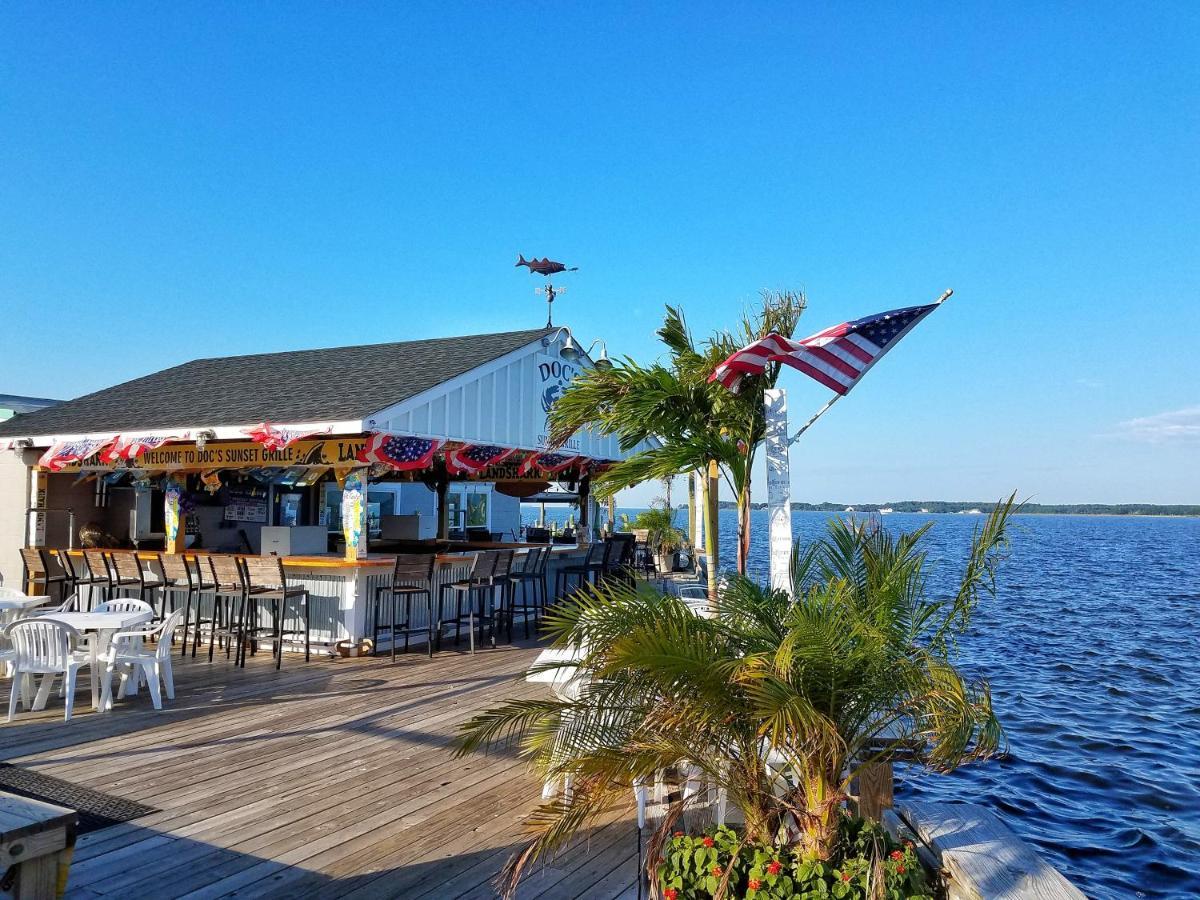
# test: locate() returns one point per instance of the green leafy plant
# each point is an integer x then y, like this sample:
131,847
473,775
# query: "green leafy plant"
866,863
662,536
778,699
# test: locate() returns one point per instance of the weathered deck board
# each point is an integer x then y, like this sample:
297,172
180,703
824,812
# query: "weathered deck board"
326,779
983,858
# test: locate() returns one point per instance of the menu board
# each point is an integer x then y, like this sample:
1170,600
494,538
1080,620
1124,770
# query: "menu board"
246,506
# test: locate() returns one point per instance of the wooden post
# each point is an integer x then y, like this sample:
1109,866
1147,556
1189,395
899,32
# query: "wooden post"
38,839
443,507
584,532
713,539
875,786
173,525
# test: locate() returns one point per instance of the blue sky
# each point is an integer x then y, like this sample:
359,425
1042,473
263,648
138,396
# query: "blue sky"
182,181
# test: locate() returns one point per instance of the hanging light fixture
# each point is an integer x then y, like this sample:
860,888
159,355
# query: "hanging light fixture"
570,350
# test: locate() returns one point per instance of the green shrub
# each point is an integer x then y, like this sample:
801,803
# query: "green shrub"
695,866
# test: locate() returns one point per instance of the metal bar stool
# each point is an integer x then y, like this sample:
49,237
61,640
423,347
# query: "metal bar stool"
177,579
411,577
229,602
41,570
266,582
205,583
530,577
483,566
128,575
493,616
99,574
593,564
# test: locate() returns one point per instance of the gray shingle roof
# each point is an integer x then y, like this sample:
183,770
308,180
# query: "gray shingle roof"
297,386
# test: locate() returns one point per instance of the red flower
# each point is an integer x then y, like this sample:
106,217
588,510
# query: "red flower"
670,893
754,884
845,876
679,834
708,842
897,854
717,871
900,869
774,868
908,844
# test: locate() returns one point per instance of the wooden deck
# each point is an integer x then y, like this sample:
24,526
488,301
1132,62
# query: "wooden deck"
327,779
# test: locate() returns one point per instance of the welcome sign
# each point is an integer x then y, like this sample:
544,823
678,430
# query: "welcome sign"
235,455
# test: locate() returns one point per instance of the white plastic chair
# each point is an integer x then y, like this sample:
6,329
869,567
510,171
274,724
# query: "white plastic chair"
124,605
128,651
47,648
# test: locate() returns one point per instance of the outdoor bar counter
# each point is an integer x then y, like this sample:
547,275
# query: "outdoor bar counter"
341,591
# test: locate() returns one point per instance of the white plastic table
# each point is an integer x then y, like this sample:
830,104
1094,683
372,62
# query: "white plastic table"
103,625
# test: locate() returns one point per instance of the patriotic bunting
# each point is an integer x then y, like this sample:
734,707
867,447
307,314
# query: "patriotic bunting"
272,437
63,453
129,448
548,463
473,458
399,451
836,357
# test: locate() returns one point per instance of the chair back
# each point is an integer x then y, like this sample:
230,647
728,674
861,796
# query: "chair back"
504,559
166,634
124,605
68,564
536,535
126,566
175,569
35,563
533,557
40,644
483,566
264,572
202,573
597,553
623,551
414,567
96,562
226,572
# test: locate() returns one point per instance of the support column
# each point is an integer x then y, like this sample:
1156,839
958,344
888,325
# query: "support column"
173,525
443,508
584,531
696,510
712,526
779,489
354,514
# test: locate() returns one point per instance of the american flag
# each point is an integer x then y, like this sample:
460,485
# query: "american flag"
273,437
836,357
548,463
476,457
132,447
63,453
399,451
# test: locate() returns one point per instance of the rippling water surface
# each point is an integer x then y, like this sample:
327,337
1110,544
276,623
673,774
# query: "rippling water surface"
1092,648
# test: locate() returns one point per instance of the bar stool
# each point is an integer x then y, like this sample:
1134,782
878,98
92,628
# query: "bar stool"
41,569
530,577
128,575
483,567
593,565
99,575
500,579
77,575
411,577
229,602
177,579
205,582
266,582
621,560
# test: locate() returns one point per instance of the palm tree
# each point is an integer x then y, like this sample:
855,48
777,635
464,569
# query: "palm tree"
698,425
858,662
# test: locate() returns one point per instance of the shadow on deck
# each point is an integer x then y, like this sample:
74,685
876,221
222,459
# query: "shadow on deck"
326,779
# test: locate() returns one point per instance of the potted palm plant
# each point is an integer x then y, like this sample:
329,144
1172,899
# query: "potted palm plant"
663,538
779,699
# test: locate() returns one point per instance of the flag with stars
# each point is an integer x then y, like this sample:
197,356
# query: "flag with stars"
131,447
63,453
473,458
836,357
273,437
548,463
399,451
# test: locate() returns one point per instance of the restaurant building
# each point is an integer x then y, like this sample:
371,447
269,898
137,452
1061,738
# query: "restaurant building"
326,457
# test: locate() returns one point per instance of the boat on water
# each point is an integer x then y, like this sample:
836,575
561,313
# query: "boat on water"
885,510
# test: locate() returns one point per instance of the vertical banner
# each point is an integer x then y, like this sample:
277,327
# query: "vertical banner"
696,509
37,499
172,492
354,514
779,488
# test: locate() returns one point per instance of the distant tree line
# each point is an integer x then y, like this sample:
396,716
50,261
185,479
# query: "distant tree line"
949,506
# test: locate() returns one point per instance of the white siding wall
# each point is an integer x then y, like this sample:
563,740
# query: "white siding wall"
14,499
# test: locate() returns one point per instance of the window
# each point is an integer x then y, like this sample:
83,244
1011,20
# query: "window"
469,508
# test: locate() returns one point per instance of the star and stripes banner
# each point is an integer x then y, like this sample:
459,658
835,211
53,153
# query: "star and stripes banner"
128,448
473,458
548,463
399,451
272,437
63,453
836,357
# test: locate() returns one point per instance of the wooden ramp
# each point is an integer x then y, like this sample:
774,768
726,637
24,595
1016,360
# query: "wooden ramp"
326,779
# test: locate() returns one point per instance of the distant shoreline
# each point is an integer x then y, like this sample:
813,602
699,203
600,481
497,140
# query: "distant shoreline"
943,507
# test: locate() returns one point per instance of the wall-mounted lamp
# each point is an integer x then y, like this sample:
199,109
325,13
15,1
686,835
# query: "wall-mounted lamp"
25,443
571,351
203,437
